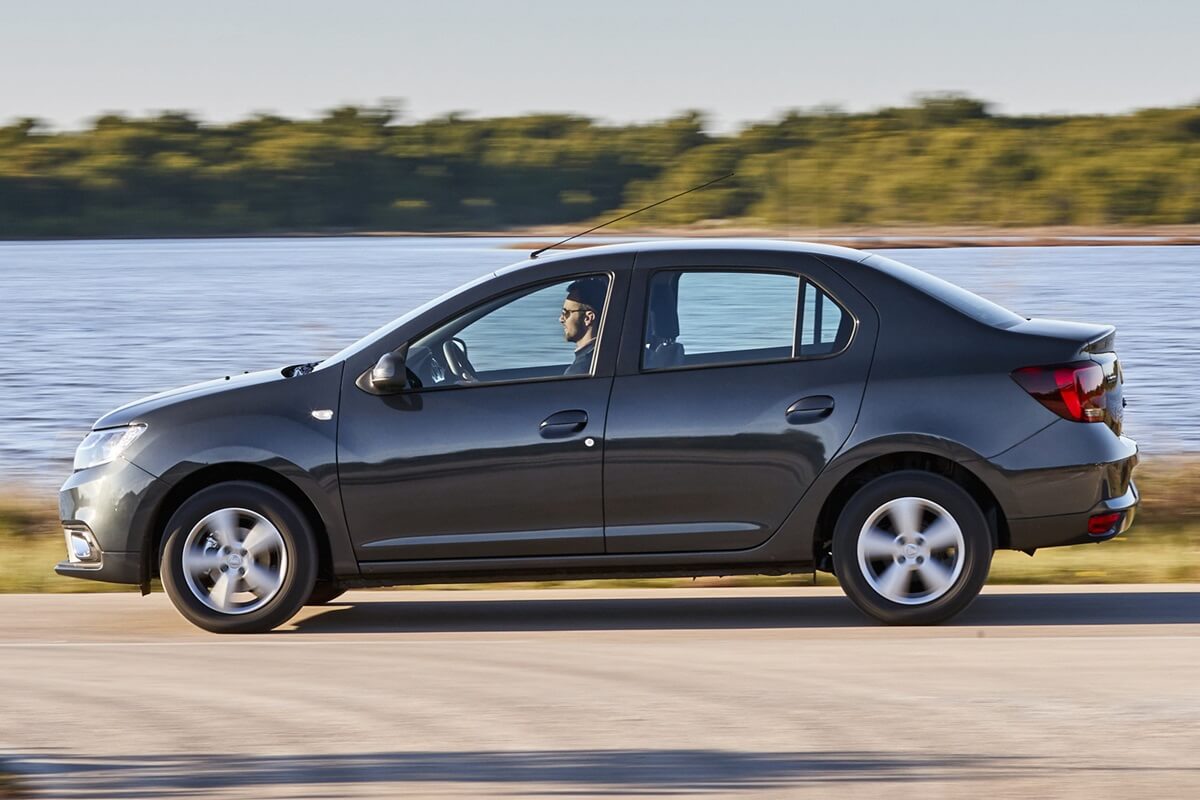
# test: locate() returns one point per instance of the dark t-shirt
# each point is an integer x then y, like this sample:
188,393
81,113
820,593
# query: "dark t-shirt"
582,364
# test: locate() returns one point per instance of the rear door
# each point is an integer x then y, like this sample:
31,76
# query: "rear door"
744,377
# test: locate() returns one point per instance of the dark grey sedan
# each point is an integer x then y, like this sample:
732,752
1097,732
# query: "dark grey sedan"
666,409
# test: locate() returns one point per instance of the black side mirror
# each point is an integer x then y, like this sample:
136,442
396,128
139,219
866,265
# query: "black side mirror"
389,373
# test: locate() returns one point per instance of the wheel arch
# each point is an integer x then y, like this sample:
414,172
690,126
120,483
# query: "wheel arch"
214,474
915,460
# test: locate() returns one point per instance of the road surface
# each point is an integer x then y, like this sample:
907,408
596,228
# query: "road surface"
1085,692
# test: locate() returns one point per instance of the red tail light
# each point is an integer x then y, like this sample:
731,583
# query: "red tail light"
1073,391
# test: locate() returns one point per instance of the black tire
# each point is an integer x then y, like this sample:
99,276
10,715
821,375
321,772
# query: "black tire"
295,573
324,592
914,599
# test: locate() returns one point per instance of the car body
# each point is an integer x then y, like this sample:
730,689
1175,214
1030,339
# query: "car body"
743,444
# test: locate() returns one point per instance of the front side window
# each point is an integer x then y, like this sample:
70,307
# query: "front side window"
548,331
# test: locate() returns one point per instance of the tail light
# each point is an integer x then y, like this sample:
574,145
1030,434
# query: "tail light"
1073,391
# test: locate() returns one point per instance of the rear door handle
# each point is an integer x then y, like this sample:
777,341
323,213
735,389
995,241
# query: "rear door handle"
563,423
809,409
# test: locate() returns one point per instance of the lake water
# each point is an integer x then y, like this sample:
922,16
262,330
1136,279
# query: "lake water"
89,325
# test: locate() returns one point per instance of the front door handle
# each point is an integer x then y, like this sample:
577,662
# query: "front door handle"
563,423
809,409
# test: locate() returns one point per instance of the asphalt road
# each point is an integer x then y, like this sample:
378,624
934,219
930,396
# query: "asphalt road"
1038,692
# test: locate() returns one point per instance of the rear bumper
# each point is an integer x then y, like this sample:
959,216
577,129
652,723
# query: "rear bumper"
1030,533
1051,485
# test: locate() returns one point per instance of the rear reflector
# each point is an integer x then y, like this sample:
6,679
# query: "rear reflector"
1103,523
1073,391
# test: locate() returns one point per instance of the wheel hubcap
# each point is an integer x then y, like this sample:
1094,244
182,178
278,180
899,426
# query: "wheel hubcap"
234,561
910,550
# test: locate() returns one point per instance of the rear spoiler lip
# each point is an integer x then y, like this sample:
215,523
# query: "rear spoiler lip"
1084,337
1104,343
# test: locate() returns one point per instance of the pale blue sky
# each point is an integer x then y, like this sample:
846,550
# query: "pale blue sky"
619,60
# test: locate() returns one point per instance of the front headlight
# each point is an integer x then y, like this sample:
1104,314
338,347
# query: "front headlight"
101,447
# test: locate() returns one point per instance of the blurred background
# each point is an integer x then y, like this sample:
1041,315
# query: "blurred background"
144,119
948,160
193,190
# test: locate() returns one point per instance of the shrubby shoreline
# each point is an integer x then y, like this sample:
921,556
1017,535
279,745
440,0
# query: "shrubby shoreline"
945,160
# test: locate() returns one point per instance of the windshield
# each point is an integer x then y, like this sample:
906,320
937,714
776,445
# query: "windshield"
380,333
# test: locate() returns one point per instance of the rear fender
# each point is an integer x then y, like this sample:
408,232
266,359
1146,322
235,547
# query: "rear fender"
796,536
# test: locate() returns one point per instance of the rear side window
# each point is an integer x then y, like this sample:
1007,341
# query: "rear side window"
709,317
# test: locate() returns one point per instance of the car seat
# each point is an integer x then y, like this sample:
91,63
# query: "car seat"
661,349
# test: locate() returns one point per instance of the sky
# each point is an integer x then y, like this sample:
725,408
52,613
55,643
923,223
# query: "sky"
67,61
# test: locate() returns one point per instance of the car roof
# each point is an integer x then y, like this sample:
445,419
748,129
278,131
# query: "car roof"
691,245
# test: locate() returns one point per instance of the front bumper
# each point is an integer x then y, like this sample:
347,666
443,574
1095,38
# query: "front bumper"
114,567
107,514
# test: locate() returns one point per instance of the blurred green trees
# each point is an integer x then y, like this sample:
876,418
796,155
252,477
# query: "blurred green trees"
944,160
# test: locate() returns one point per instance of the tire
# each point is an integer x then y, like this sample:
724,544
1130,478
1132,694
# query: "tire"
923,525
324,592
238,557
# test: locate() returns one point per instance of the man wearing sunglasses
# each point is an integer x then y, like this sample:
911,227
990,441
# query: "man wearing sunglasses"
580,318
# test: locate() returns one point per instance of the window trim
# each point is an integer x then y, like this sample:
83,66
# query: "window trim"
527,288
803,279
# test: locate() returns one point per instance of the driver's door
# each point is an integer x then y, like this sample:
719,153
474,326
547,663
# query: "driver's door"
498,453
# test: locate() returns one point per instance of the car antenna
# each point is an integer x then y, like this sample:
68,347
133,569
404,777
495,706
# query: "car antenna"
537,253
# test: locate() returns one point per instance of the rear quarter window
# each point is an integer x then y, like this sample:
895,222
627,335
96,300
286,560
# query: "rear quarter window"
825,326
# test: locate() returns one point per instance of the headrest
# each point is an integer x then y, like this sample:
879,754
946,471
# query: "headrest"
664,321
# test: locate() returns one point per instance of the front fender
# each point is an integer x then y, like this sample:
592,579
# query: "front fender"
269,426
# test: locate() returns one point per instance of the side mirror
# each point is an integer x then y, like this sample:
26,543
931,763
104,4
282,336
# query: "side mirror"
389,373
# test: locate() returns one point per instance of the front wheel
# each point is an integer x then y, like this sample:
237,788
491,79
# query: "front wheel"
912,548
238,557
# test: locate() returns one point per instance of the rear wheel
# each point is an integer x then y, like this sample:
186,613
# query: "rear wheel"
912,548
238,557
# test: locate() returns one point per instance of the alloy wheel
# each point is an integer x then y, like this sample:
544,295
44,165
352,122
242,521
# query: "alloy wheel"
911,550
234,561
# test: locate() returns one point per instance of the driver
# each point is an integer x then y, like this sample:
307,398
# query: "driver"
580,319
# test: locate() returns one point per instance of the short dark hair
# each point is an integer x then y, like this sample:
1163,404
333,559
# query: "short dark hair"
589,291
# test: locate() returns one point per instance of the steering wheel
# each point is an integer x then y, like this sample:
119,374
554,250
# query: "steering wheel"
455,352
